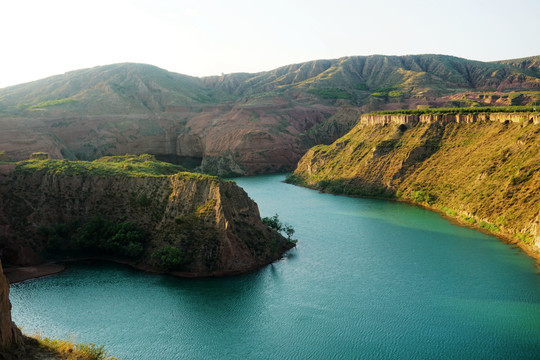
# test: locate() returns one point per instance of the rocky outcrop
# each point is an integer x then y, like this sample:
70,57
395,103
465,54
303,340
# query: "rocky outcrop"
10,336
213,224
519,118
482,169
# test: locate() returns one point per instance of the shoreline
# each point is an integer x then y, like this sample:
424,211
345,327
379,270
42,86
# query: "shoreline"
16,274
505,238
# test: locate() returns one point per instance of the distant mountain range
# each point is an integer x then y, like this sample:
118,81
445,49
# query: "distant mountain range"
242,123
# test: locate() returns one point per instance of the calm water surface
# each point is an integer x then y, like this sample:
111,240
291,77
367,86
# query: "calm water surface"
369,280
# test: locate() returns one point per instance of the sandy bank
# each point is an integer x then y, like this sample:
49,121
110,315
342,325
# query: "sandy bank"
17,274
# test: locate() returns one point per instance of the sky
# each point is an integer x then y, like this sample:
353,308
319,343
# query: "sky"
41,38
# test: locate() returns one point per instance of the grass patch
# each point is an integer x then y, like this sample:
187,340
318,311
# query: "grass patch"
524,237
51,103
128,165
68,350
489,226
458,110
448,211
295,180
468,219
421,196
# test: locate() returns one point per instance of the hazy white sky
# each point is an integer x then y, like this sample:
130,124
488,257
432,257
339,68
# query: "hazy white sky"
39,38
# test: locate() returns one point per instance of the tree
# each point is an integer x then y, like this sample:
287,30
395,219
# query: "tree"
274,223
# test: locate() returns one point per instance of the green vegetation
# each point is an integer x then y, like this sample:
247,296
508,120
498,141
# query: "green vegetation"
361,86
126,240
469,219
448,211
524,237
331,93
128,165
67,350
295,180
518,179
4,158
275,224
39,156
458,110
488,226
51,103
422,197
484,173
169,257
387,92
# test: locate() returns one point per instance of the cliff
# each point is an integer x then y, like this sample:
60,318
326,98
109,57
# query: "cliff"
482,169
186,223
11,338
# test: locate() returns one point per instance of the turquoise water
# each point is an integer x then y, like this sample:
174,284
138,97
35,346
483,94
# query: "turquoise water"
369,279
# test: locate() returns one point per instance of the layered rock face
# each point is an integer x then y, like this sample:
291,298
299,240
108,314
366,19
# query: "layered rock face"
483,169
222,140
10,335
213,224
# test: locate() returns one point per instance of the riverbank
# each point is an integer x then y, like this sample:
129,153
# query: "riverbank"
16,274
483,171
454,220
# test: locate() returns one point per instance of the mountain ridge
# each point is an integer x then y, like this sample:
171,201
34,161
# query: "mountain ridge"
240,123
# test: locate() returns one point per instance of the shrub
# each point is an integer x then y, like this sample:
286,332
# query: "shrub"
395,93
524,237
448,211
402,127
275,224
488,226
470,220
39,156
125,239
169,257
422,197
143,200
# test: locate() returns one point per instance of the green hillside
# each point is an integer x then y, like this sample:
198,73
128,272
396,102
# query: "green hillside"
118,88
358,80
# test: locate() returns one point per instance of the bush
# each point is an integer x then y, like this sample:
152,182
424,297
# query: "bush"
488,226
422,197
124,239
275,224
39,156
169,257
